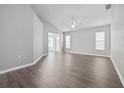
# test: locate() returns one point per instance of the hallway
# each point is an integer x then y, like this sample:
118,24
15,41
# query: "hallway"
65,70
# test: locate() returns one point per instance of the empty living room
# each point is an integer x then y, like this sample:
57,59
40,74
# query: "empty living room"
62,45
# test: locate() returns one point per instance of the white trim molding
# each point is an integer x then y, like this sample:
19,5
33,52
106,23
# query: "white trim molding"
118,72
39,58
22,66
87,54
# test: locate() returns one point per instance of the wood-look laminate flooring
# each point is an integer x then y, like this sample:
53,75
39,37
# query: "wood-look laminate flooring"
65,71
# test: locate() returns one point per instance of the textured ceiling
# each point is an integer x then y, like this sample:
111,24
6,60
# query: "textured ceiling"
60,15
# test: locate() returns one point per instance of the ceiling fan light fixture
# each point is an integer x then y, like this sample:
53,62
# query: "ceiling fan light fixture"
73,26
74,23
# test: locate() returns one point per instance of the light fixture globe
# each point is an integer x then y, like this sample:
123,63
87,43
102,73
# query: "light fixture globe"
73,26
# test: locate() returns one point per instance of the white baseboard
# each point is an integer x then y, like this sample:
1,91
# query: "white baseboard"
22,66
87,54
118,72
39,58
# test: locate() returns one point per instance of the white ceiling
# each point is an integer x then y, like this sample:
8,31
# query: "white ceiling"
60,15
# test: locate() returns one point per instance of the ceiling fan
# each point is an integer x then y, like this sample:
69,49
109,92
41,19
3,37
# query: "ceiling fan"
75,22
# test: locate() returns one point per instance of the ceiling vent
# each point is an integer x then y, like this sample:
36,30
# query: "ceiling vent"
108,6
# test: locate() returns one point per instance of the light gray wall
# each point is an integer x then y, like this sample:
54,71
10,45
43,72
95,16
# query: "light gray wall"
48,27
117,38
23,36
83,41
16,36
37,38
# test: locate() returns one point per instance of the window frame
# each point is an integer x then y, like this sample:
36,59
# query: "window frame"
67,42
100,40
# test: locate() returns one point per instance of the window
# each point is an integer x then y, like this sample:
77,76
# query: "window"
50,42
67,40
100,40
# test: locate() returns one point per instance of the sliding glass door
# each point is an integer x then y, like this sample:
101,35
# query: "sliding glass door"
53,42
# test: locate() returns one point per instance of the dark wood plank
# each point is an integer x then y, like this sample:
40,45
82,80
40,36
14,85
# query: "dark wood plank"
65,71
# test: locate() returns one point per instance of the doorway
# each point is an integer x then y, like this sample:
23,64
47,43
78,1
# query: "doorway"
53,42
